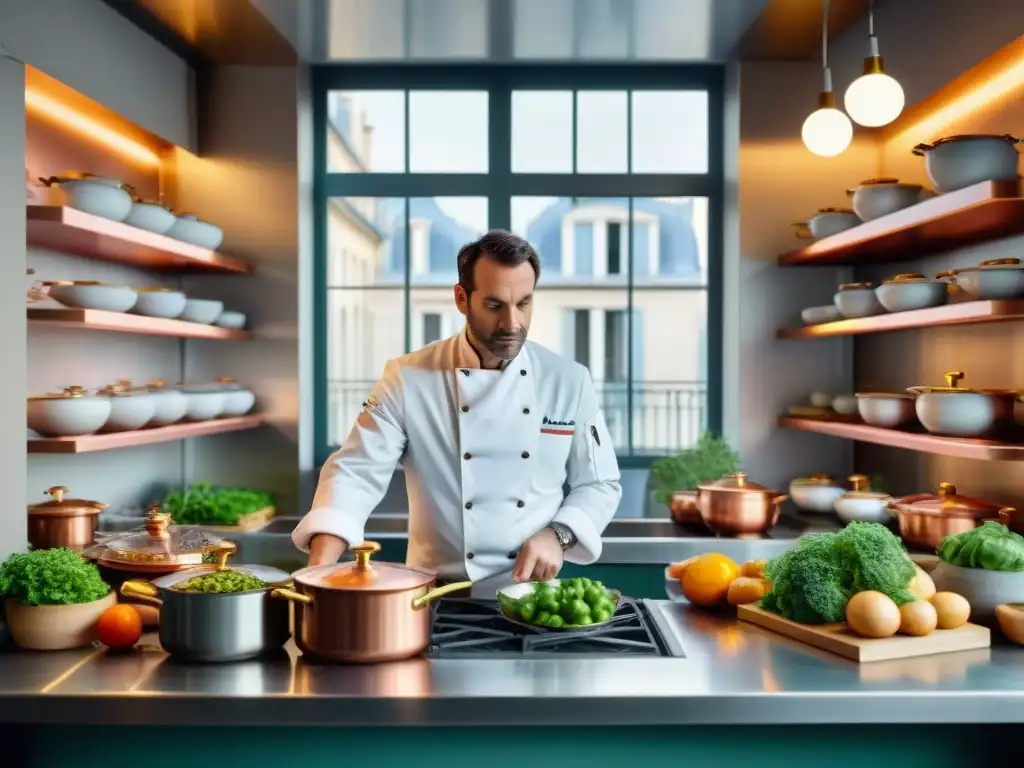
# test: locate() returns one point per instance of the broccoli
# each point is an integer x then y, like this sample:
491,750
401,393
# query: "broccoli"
812,583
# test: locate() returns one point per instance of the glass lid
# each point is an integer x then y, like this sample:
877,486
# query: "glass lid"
160,546
59,505
362,575
735,482
950,503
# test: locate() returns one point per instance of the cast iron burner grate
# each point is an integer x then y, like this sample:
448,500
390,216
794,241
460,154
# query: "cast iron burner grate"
469,627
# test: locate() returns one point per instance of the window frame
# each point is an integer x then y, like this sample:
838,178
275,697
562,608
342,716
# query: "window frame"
499,185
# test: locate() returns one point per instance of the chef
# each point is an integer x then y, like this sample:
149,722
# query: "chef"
488,428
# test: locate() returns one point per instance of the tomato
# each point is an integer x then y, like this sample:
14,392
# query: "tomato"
120,626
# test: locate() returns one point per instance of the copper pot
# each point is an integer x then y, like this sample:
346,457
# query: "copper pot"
926,519
364,613
734,505
683,508
63,522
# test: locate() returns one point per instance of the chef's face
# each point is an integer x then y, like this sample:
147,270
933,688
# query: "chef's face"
499,309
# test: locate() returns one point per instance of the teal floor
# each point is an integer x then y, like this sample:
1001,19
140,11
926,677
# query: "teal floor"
512,747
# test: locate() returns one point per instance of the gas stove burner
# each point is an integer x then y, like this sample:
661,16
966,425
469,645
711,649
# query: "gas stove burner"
468,628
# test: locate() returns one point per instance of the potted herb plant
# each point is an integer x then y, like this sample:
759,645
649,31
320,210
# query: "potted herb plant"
674,479
52,599
220,508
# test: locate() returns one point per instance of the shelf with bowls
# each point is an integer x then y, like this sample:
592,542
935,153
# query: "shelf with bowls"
959,313
128,439
68,230
984,211
100,320
922,442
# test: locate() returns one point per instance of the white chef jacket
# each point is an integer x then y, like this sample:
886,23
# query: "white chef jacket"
485,454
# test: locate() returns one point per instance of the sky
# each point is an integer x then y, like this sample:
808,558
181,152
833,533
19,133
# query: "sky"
448,134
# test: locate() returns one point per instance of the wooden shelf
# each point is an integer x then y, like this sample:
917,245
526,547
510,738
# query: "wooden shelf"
100,320
963,448
113,440
962,313
985,211
64,229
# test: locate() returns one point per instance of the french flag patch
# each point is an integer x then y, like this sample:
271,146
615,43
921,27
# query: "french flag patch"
549,427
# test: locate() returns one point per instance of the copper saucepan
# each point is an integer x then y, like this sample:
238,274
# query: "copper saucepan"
362,612
736,506
926,519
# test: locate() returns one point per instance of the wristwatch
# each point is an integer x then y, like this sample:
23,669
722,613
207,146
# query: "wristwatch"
566,538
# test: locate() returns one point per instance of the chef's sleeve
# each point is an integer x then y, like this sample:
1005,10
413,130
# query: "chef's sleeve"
355,477
592,473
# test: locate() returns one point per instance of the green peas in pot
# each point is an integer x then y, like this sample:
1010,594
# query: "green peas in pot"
210,614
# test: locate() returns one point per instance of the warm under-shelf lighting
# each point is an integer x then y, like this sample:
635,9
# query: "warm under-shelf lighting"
90,127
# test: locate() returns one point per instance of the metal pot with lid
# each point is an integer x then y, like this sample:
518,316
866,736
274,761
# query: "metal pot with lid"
63,522
150,215
91,193
735,505
875,198
217,626
911,290
954,410
926,519
826,222
364,612
955,162
992,279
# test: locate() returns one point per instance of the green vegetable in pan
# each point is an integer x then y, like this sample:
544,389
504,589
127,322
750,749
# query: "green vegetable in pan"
574,603
221,582
990,546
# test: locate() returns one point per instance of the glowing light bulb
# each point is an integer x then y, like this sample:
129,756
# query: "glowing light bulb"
827,131
874,99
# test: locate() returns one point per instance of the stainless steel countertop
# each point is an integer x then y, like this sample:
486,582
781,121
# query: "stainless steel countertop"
729,674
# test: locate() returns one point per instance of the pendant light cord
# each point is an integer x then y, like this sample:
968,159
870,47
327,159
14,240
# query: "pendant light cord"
871,18
824,34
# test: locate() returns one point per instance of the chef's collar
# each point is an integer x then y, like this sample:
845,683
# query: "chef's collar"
467,357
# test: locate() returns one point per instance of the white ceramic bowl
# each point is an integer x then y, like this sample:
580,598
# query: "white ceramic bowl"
828,223
129,410
845,405
204,402
863,506
230,319
814,497
983,589
238,400
821,399
89,295
992,279
858,302
190,229
817,315
154,301
63,416
887,410
203,311
99,196
150,216
956,164
905,293
958,414
169,406
880,197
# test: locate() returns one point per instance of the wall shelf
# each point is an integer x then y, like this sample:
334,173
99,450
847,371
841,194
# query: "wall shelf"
985,211
64,229
113,440
961,313
963,448
100,320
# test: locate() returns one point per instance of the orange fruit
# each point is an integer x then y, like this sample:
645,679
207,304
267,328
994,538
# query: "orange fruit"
707,580
676,570
120,626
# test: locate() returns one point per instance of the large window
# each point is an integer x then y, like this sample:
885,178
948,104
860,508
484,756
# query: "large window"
615,176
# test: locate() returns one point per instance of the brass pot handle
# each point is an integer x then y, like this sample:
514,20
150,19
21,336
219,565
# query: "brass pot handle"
225,550
424,600
283,593
1006,515
780,498
920,149
141,590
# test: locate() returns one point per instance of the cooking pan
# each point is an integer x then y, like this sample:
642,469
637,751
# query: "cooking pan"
510,595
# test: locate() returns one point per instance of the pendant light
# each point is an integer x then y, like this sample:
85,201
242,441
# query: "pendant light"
874,99
827,131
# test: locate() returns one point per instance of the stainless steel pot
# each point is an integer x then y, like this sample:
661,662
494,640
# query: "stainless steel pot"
216,627
955,162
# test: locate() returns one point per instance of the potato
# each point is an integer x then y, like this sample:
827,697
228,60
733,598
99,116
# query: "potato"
952,609
754,568
918,618
872,614
746,589
921,586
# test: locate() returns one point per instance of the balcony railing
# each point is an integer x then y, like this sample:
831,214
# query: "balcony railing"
667,416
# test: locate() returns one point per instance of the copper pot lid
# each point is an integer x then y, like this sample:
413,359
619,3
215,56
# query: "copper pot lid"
158,544
948,503
1008,262
815,480
364,576
827,211
69,393
61,506
952,378
886,395
736,482
856,287
908,277
860,488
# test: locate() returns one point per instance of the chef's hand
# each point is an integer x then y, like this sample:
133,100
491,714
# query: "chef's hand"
325,549
540,558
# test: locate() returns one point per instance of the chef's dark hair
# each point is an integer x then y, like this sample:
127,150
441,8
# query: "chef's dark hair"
504,247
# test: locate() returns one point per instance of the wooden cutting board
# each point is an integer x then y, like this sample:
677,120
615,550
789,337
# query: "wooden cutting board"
839,639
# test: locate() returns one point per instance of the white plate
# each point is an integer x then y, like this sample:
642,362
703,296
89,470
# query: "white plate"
516,591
